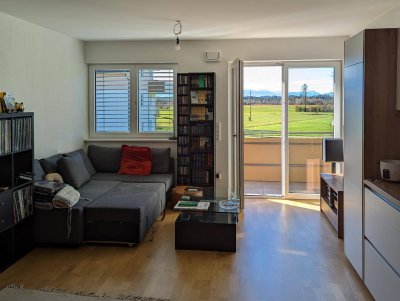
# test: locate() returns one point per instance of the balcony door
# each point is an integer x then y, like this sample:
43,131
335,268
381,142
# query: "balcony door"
288,108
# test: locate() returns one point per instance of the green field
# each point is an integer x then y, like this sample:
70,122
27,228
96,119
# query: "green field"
266,121
302,124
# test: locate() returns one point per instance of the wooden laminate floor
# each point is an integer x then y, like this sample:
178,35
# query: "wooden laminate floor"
285,251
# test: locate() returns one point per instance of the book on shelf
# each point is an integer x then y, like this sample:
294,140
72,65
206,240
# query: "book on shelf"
183,79
198,114
23,206
183,90
5,136
201,81
22,131
194,99
192,205
183,100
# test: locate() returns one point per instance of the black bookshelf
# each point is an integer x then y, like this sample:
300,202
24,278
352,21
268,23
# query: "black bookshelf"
196,131
16,204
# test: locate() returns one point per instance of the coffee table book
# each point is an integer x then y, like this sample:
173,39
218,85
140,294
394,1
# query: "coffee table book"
192,205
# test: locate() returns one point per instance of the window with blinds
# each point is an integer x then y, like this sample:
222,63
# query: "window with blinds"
112,100
155,100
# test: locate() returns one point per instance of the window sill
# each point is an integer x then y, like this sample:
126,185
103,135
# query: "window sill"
163,140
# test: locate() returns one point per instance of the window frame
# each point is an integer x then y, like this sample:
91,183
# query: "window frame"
133,102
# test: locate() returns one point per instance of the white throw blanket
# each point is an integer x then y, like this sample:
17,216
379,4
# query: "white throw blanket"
66,198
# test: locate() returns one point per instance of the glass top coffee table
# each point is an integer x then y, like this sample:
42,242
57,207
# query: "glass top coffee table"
211,230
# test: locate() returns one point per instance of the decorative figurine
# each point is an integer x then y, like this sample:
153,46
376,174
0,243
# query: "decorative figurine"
19,107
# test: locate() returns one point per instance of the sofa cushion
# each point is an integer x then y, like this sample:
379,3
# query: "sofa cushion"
81,153
38,172
135,160
128,202
94,189
160,160
166,179
49,164
73,171
105,159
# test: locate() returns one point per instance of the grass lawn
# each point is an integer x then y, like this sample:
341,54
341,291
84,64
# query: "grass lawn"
269,118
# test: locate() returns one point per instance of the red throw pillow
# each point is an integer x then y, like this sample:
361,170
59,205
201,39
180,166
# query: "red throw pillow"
135,160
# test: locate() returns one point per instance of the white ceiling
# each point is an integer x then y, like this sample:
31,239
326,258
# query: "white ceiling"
202,19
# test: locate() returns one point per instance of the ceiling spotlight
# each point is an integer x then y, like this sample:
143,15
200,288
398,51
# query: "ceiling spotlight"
177,31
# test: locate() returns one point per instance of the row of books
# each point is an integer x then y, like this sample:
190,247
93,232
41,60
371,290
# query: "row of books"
5,136
201,81
183,120
183,180
198,114
183,100
183,161
202,160
183,90
183,170
201,97
200,143
196,130
184,130
23,205
183,150
201,129
183,79
184,110
183,140
200,177
22,131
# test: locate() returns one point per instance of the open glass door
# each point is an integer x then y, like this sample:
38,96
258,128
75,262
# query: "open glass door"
263,131
236,185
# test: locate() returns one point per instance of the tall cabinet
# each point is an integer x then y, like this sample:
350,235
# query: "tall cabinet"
371,125
16,207
196,131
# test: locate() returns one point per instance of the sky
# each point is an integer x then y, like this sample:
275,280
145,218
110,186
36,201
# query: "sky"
269,78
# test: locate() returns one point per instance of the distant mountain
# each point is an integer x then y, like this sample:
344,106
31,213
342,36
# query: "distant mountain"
267,93
300,94
260,93
328,94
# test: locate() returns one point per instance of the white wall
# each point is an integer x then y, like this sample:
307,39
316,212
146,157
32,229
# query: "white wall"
190,59
388,20
46,70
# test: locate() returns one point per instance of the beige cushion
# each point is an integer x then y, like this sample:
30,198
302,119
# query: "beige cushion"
54,177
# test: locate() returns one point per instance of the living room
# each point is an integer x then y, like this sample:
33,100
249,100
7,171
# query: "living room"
48,50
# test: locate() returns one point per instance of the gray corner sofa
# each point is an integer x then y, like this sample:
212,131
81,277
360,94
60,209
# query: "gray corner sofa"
113,207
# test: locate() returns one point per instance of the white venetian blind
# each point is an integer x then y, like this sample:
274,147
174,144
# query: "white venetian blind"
112,100
155,100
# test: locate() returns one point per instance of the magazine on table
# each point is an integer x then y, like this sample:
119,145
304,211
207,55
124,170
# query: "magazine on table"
192,205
